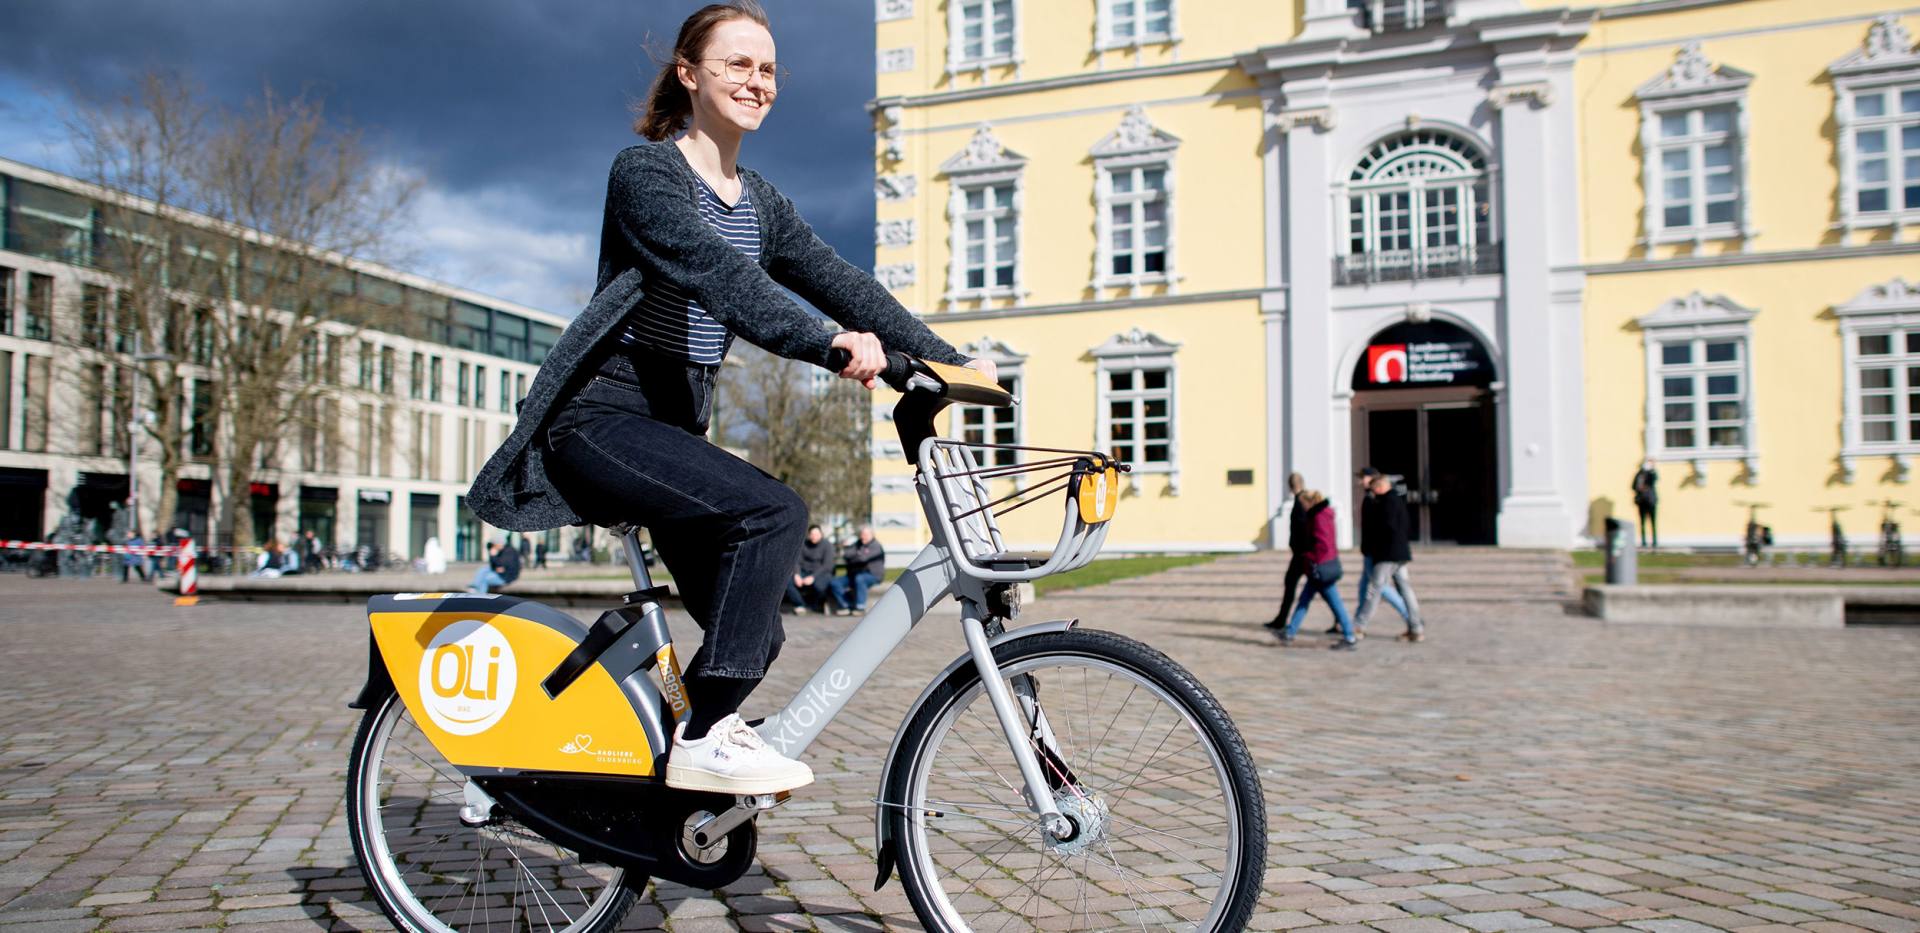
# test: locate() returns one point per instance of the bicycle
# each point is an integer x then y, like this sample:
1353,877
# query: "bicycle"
1893,551
508,767
1836,538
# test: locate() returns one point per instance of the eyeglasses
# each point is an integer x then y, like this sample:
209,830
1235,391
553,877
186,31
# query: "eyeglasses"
740,69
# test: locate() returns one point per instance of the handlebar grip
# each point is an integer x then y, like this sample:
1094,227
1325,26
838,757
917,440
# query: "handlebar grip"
899,366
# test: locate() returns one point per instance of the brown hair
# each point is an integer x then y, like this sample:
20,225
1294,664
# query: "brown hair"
668,105
1311,498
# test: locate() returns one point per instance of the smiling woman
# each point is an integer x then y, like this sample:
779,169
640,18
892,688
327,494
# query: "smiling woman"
696,249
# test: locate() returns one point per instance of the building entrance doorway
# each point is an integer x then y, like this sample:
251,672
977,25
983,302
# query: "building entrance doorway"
1423,414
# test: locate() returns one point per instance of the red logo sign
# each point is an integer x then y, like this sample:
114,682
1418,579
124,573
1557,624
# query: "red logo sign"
1387,363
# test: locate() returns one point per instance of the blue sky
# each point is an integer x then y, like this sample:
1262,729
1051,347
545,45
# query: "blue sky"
509,111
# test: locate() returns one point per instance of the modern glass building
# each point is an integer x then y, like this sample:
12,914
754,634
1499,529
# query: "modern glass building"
381,455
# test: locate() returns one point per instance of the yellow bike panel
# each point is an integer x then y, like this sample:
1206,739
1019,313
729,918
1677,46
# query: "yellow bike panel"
472,682
1098,495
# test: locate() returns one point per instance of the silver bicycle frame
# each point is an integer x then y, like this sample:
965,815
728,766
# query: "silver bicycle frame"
933,573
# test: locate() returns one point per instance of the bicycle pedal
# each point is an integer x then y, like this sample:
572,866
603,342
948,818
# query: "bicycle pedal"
762,801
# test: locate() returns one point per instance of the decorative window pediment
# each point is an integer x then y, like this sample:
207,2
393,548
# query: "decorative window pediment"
1697,309
1135,342
1692,74
1898,296
1889,45
983,153
1693,136
1136,135
1417,205
987,348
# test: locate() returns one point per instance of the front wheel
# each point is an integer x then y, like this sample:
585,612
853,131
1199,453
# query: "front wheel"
1169,822
434,872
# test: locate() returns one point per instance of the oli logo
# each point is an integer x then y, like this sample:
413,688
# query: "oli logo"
1387,363
467,677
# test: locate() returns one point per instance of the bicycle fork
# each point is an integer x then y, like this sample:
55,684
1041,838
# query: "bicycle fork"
1013,724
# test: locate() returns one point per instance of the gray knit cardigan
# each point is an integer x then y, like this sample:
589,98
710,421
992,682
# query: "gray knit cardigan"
653,229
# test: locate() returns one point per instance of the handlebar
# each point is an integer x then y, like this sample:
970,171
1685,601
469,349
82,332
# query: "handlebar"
900,367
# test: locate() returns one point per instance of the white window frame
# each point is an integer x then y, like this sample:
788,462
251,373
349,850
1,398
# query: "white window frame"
1011,366
1698,318
983,163
1134,145
1136,351
1889,308
1887,63
1693,84
957,60
1107,41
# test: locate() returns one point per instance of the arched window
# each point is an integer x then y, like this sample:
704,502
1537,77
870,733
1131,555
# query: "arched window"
1418,207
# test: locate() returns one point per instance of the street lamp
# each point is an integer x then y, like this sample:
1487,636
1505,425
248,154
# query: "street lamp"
134,422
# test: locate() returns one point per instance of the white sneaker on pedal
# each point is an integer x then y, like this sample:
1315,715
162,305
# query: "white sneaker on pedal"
732,759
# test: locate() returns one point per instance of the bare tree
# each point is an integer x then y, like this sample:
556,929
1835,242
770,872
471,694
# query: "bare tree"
313,202
142,150
233,234
809,433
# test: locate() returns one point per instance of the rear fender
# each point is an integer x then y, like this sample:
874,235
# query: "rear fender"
884,843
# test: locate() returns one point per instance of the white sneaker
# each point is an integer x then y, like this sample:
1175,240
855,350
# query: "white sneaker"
732,759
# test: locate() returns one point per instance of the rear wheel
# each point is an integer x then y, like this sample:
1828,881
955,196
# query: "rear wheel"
432,872
1169,822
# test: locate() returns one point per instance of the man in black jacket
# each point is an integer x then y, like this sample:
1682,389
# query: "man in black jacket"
866,562
1299,541
1384,525
503,567
812,573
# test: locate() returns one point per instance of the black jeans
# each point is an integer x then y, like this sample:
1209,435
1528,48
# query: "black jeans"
1297,567
630,446
1649,528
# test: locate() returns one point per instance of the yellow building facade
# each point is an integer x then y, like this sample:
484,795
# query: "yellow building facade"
1505,250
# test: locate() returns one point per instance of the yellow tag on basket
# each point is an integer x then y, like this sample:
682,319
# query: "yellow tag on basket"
1099,493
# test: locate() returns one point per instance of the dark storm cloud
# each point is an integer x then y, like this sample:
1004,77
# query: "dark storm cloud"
520,105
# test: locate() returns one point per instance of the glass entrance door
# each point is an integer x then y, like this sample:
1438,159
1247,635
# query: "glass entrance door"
1441,452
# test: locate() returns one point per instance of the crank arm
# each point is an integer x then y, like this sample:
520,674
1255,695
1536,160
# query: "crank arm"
708,832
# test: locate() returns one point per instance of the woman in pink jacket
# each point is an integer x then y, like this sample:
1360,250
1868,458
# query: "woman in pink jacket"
1324,559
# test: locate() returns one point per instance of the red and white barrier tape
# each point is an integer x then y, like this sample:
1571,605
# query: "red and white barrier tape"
149,549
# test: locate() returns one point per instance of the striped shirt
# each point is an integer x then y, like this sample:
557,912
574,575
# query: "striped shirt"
667,319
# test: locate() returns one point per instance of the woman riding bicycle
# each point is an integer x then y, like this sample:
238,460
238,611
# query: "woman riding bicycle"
694,249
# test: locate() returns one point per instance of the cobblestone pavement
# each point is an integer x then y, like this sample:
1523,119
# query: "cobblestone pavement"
165,769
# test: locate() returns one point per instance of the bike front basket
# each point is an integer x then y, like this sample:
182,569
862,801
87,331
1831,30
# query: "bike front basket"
964,511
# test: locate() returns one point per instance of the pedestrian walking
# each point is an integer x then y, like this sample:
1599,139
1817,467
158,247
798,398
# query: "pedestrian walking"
133,561
1646,499
1367,476
540,555
1384,524
866,560
1299,541
312,556
1323,560
812,573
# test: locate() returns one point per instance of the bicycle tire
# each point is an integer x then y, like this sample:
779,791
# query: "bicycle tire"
403,891
921,769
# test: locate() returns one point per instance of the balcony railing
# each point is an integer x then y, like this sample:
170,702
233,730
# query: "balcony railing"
1399,15
1412,265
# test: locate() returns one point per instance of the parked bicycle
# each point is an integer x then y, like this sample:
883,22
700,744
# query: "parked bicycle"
508,767
1893,551
1837,539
